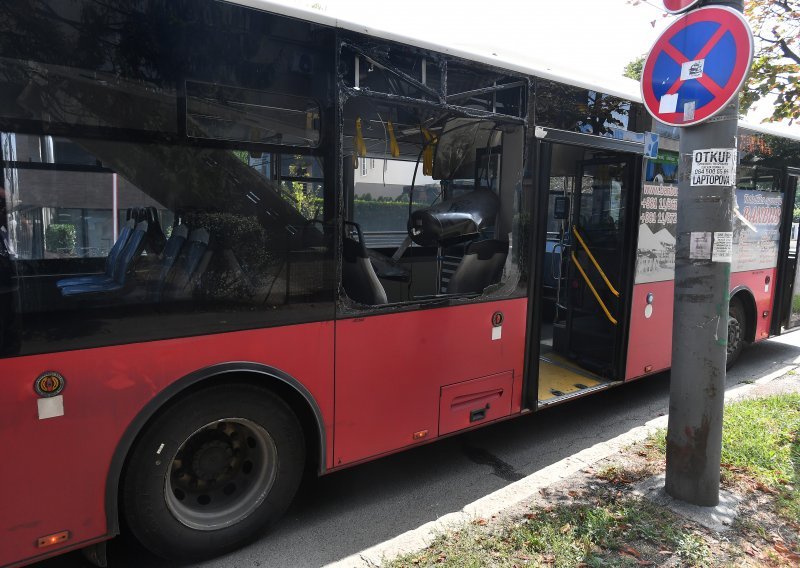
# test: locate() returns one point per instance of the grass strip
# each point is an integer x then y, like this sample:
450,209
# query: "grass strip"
761,441
603,525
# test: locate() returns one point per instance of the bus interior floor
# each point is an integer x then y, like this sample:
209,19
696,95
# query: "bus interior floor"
561,380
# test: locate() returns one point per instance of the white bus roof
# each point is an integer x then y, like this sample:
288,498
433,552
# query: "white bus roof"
619,86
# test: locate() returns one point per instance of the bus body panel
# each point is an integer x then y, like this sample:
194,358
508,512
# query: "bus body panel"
761,284
650,343
390,370
48,490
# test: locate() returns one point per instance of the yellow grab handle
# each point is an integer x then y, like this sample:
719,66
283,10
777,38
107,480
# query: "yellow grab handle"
427,153
596,265
393,147
361,147
596,295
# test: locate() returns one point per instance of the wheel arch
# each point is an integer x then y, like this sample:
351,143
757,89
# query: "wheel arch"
748,301
284,385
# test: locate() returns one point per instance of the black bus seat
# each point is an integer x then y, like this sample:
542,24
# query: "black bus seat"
111,259
481,266
169,256
156,240
454,220
190,264
359,280
122,268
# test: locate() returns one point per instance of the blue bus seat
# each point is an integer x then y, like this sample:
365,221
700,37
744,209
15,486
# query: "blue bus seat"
122,268
111,259
190,264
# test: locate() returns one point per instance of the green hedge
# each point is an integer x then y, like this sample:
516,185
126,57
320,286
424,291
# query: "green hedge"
244,235
251,245
61,238
382,215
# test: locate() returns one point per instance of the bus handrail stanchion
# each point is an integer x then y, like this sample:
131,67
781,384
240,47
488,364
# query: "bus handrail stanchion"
592,288
594,261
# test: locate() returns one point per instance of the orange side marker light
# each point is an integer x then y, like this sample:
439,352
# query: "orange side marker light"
51,539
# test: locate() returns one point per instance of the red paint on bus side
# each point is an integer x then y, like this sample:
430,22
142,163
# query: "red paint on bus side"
650,339
54,470
763,293
390,370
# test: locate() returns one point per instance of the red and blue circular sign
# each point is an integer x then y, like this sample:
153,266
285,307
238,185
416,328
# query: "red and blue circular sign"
678,6
697,66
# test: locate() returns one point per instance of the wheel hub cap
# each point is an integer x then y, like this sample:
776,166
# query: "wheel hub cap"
211,460
221,474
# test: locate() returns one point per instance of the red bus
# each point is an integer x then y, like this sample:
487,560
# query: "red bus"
240,241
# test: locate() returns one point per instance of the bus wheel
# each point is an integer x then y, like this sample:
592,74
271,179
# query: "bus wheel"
737,324
212,470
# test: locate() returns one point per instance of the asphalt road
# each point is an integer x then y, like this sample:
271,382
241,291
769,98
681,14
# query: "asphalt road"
343,513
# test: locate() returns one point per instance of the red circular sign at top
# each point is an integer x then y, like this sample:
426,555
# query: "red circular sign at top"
697,65
678,6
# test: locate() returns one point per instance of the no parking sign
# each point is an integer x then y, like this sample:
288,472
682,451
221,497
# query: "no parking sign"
678,6
697,66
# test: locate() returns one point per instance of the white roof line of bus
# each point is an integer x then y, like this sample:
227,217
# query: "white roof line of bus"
622,86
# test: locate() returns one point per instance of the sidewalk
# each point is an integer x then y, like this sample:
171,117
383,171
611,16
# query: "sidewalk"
563,477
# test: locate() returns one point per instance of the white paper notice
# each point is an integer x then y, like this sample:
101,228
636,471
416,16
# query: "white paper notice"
723,247
51,407
714,167
700,246
497,332
688,110
668,103
692,69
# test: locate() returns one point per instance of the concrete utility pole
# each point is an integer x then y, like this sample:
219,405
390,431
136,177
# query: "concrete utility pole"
702,283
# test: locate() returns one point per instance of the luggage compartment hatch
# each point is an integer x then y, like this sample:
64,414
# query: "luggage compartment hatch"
475,402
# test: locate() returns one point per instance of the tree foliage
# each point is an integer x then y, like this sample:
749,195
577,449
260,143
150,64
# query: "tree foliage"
633,70
776,64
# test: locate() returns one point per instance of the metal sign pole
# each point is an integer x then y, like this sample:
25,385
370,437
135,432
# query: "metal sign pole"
706,201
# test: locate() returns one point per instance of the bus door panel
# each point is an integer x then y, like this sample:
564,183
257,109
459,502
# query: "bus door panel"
788,293
395,371
592,329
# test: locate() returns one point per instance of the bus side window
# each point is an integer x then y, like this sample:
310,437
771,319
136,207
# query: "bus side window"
424,196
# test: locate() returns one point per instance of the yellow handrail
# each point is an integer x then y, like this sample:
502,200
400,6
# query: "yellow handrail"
596,295
361,147
393,147
427,152
596,265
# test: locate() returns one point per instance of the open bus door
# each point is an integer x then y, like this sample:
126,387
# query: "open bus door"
586,262
787,308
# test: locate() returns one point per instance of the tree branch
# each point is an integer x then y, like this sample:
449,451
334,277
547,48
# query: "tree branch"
787,51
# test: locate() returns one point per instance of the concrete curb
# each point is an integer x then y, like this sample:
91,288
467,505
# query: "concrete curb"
527,488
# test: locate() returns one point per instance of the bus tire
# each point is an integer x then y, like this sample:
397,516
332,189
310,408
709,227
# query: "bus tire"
211,471
737,328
